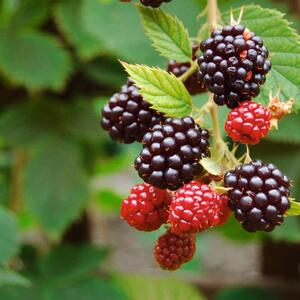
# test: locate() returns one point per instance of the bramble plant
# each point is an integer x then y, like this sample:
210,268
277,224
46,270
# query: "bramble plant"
239,57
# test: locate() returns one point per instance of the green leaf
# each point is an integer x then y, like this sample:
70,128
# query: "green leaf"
33,59
68,17
70,263
286,130
288,231
149,288
294,210
29,13
108,200
55,184
284,46
211,166
8,231
163,90
11,278
168,34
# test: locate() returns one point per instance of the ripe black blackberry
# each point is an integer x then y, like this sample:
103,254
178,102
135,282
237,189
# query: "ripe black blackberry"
171,153
192,84
233,65
154,3
127,116
259,195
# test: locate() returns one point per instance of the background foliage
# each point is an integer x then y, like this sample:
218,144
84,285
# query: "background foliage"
58,65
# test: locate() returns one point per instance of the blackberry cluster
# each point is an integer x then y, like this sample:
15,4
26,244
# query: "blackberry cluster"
233,65
127,116
171,153
194,208
146,208
192,84
171,250
259,195
154,3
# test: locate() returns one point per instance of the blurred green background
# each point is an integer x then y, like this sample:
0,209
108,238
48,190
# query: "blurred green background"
62,178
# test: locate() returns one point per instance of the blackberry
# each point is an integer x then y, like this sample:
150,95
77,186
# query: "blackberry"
233,65
248,123
154,3
192,84
146,208
127,116
171,153
171,250
195,207
259,196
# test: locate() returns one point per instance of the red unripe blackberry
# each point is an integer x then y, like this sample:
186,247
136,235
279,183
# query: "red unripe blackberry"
171,153
225,211
259,196
192,84
248,123
194,208
154,3
171,250
146,208
127,116
233,65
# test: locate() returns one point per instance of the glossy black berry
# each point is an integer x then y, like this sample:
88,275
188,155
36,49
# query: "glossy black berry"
259,196
127,116
171,153
233,65
154,3
192,84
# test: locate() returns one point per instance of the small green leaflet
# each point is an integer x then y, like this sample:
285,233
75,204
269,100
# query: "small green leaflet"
284,46
163,90
168,34
294,210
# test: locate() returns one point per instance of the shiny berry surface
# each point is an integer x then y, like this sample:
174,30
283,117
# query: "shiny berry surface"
171,250
154,3
171,153
127,116
259,195
234,64
194,208
248,123
146,208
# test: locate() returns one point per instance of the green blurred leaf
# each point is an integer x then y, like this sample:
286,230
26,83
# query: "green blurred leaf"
55,184
294,210
68,17
33,59
70,262
247,293
28,13
284,46
163,90
11,278
108,200
167,33
286,130
289,231
9,245
149,288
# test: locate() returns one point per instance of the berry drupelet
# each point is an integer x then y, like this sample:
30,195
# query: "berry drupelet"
154,3
171,250
171,153
233,65
192,84
248,123
195,207
259,196
146,208
127,116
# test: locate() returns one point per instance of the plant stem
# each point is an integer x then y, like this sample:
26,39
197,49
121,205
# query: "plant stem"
212,13
193,68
